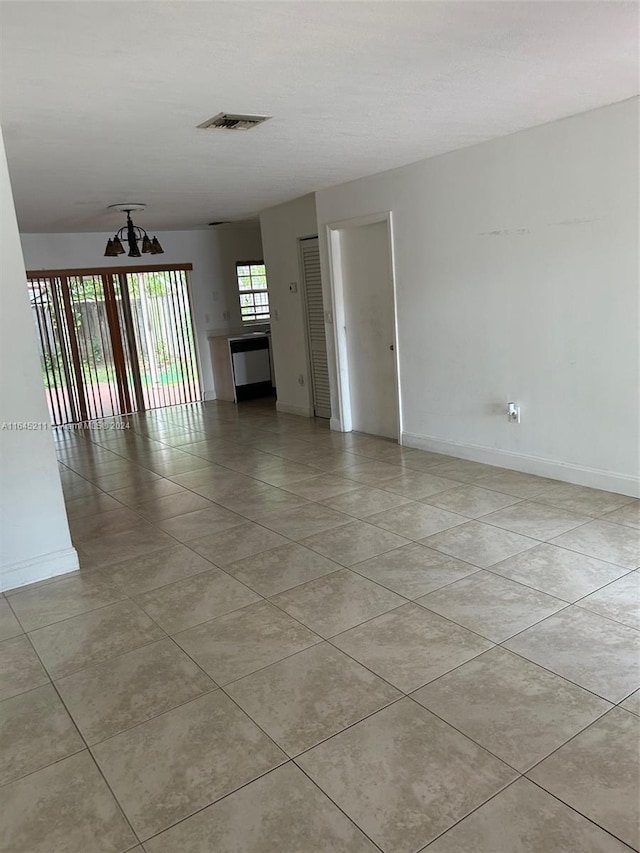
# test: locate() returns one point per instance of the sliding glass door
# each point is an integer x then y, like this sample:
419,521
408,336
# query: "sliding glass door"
114,341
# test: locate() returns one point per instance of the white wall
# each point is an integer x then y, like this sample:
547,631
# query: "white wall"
213,253
34,534
282,227
516,267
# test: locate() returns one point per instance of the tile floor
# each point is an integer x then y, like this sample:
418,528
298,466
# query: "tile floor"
287,640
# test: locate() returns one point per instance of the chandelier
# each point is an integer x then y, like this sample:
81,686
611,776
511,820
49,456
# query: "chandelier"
137,238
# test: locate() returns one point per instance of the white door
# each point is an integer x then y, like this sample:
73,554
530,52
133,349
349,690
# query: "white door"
310,255
370,328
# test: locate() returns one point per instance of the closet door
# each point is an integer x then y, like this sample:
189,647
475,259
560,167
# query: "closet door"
310,255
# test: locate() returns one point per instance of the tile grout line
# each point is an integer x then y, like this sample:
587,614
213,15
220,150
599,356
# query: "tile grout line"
419,604
577,811
466,520
339,567
86,747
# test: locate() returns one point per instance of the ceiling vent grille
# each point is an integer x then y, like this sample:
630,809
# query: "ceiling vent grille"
231,121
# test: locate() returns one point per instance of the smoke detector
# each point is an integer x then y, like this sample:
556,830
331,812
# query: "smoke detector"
232,121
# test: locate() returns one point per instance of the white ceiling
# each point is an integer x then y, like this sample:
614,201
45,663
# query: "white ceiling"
100,100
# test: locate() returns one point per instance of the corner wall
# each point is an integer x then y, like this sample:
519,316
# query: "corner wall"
214,287
34,534
516,266
282,227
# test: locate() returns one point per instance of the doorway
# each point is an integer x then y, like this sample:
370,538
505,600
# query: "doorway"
366,339
114,341
316,335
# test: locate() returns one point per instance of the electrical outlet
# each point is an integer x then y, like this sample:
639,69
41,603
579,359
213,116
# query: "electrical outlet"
276,314
301,379
226,315
207,319
293,286
513,413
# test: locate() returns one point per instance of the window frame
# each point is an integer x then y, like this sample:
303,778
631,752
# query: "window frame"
262,290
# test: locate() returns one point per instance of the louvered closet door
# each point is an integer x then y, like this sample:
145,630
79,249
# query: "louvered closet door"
315,327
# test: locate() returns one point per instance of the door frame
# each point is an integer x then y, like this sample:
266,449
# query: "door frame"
119,331
343,419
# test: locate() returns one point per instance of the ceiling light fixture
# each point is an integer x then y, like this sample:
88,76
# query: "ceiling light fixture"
133,234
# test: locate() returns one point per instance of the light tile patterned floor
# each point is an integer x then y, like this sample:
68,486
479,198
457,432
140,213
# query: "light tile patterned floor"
287,640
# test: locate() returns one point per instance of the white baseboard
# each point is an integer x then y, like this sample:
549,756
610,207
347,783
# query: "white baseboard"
290,409
209,395
579,474
336,424
38,568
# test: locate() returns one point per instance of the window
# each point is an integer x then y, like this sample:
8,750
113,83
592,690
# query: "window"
252,284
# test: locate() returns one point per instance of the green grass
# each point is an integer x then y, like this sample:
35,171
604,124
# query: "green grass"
167,375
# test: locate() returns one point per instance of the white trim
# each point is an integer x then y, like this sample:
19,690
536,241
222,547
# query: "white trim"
336,285
579,474
209,395
336,424
291,409
359,221
343,415
38,568
396,335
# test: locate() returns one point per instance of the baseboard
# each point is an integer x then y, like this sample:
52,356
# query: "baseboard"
336,424
38,568
290,409
595,478
209,395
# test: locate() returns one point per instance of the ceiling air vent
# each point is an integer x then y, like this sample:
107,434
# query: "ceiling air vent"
230,121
